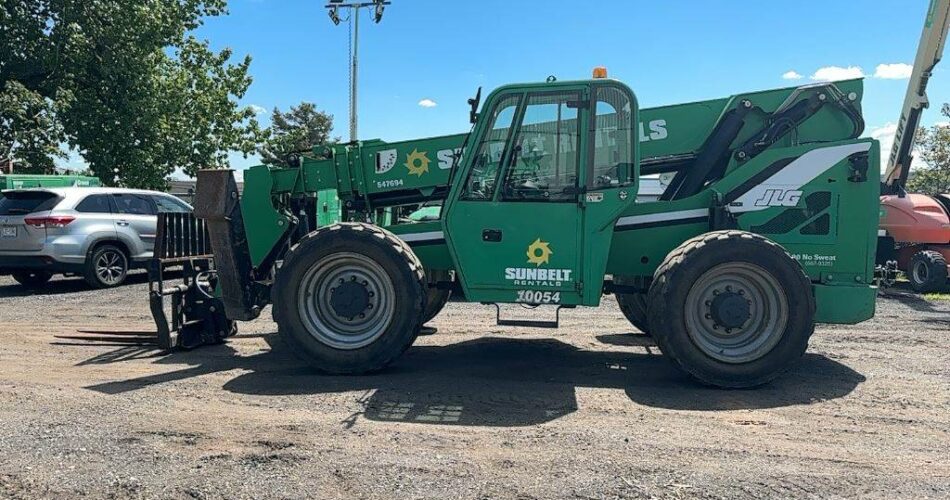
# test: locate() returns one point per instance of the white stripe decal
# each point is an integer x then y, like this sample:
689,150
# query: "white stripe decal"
634,220
796,174
432,235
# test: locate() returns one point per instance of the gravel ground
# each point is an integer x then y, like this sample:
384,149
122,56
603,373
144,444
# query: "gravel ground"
588,411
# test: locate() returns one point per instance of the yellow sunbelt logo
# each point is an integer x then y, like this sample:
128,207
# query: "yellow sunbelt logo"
539,252
417,162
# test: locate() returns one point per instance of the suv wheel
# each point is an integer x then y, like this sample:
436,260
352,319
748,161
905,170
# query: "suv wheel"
106,267
32,278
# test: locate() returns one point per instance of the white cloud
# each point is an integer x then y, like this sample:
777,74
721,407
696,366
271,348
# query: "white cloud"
885,134
427,103
258,110
836,73
897,71
792,75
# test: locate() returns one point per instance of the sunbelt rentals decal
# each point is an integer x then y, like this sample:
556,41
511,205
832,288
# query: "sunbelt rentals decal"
415,162
538,254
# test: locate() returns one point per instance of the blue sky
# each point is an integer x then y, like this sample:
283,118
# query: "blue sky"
668,51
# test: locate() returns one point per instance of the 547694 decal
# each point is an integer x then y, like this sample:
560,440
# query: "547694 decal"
538,297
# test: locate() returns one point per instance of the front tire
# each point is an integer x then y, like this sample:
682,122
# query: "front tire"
31,279
633,305
732,309
349,298
928,271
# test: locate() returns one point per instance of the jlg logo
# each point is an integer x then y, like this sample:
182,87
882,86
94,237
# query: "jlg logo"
779,198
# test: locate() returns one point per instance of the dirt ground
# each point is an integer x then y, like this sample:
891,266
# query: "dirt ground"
476,411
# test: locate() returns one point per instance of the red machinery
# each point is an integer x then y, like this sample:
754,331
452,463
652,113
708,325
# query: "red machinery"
915,232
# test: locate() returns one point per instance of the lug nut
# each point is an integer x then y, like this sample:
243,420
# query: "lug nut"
362,315
371,293
365,282
369,306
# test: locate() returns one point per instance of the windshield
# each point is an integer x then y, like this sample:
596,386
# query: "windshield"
26,202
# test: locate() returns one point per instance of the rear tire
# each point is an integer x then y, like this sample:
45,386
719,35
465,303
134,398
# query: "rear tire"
633,305
106,267
928,271
349,298
32,279
436,298
732,309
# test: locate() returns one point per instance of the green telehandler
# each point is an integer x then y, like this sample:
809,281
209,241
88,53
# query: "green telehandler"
767,226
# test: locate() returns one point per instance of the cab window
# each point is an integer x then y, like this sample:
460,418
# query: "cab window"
543,162
490,151
613,146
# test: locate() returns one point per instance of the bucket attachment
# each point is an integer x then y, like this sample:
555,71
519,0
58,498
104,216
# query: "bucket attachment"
197,315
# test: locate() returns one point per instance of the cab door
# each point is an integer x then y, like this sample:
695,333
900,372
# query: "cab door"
514,224
612,173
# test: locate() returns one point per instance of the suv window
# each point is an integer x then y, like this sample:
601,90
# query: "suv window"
95,204
169,204
27,202
134,204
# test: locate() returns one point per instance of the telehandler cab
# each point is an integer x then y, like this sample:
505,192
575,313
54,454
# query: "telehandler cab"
767,227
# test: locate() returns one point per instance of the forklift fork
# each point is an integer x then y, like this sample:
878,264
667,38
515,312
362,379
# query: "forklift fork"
197,316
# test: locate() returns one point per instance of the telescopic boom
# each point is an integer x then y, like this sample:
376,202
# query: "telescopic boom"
929,51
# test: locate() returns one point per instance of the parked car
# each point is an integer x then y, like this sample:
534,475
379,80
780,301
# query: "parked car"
97,233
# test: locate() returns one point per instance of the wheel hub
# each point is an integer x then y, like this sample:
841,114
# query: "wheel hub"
346,300
349,299
730,310
736,312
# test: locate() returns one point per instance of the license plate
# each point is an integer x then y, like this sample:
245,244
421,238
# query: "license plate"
7,232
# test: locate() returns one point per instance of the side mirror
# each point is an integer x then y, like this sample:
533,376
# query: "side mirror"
474,102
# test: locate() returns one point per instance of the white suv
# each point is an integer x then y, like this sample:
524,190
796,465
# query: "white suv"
98,233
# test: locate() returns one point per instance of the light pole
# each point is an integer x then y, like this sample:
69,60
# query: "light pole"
333,8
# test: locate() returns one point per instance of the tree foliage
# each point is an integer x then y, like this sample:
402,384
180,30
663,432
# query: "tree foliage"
126,83
294,132
933,147
29,131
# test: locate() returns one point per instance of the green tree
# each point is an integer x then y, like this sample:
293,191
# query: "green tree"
127,84
30,135
294,132
933,148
